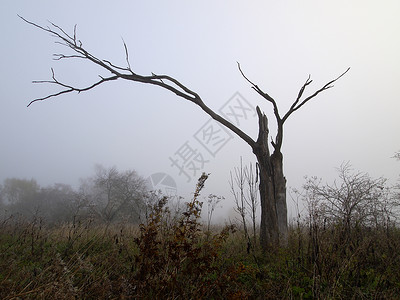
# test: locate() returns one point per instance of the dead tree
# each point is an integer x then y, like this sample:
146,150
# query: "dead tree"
272,181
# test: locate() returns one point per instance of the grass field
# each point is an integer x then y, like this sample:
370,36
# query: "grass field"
175,258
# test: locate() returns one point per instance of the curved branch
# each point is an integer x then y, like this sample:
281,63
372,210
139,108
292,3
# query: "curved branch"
263,94
165,81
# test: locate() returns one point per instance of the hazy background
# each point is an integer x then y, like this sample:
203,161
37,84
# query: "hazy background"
134,126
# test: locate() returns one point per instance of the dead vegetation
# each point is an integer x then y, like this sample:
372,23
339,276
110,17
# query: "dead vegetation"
177,258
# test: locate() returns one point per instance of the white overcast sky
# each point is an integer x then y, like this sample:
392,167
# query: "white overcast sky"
133,126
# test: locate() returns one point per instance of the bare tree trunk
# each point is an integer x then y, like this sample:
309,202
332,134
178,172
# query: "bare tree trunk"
280,196
269,235
273,228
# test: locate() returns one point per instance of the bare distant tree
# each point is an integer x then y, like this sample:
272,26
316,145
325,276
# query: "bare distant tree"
397,155
396,189
252,199
58,202
238,186
115,194
212,202
17,191
243,184
1,197
272,184
354,200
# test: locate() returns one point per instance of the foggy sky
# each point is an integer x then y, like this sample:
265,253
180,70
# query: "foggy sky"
134,126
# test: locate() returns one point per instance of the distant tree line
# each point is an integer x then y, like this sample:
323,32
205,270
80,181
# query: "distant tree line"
108,196
353,201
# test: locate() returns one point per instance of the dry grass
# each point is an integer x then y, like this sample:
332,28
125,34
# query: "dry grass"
165,259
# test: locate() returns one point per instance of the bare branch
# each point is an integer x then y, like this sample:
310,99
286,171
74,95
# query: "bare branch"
308,81
127,56
263,94
164,81
248,80
116,67
256,88
63,32
69,89
295,106
75,32
62,56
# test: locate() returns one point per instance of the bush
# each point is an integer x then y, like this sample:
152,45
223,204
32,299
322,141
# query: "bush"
169,257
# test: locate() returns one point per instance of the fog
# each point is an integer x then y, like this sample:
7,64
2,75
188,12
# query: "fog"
144,128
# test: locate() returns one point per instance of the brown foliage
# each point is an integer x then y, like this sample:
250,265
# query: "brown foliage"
182,262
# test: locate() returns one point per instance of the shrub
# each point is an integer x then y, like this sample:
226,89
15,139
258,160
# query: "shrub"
181,261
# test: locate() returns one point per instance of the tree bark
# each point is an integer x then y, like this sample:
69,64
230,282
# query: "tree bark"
273,227
280,196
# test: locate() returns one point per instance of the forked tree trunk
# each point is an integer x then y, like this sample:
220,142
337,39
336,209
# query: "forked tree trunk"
273,227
